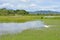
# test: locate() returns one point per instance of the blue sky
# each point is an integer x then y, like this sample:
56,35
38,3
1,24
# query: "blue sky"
31,5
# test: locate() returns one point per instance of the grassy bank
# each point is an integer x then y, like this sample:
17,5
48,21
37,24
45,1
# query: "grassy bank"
51,33
23,18
18,18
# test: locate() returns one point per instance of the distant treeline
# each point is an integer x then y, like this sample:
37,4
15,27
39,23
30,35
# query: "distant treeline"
6,12
51,13
9,12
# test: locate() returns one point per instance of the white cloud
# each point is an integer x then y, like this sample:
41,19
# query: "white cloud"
41,0
6,5
24,0
53,8
20,6
33,5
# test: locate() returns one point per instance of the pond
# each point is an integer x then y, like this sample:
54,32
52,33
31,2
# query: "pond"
19,27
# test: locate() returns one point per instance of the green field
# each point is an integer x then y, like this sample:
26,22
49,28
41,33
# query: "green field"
18,18
24,18
51,33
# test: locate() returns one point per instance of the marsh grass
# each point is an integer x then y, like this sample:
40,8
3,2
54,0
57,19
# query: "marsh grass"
24,18
50,33
18,18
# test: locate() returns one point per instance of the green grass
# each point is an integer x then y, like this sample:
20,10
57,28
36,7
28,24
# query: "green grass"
23,18
51,33
18,18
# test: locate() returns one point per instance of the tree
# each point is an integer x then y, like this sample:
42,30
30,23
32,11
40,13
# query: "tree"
11,12
3,12
21,12
6,12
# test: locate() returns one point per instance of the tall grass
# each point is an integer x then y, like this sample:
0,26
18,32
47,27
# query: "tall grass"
51,33
18,18
23,18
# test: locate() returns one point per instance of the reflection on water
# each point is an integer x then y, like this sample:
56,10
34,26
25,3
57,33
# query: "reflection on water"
19,27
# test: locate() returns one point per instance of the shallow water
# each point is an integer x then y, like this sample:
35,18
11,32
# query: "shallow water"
19,27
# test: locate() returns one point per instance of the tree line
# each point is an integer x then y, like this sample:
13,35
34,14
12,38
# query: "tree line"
6,12
9,12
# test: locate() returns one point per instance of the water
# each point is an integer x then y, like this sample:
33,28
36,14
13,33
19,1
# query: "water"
19,27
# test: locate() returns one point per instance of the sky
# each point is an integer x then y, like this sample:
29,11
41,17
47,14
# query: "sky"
31,5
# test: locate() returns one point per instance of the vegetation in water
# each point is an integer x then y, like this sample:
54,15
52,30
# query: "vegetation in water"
51,33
